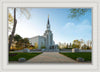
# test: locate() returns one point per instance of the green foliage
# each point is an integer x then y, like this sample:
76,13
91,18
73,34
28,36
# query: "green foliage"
13,20
76,44
17,37
21,42
85,47
43,47
9,37
77,12
22,55
10,20
26,42
86,55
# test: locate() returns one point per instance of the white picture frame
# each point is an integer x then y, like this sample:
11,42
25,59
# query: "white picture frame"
4,66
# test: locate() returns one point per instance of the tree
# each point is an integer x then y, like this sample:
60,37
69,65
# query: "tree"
84,46
64,45
60,45
10,20
76,44
14,27
17,40
32,46
81,42
17,37
22,43
90,44
9,37
26,42
70,46
77,12
67,46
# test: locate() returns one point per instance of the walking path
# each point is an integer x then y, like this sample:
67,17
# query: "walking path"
51,57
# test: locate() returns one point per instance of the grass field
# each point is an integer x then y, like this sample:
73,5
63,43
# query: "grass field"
16,56
86,55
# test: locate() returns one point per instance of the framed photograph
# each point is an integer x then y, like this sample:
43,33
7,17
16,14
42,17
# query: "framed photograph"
49,36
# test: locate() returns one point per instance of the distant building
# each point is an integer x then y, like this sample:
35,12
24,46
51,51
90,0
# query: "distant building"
44,41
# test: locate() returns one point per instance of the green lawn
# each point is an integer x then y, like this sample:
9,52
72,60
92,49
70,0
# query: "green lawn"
16,56
86,55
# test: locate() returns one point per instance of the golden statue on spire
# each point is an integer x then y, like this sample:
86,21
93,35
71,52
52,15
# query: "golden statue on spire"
48,15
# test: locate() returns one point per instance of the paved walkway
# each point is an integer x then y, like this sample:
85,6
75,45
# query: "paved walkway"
51,57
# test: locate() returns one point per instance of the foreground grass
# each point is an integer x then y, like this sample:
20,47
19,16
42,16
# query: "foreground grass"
86,55
16,56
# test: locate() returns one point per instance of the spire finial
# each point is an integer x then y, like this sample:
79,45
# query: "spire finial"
48,15
48,24
48,19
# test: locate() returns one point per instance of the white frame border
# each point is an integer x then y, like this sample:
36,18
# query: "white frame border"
48,67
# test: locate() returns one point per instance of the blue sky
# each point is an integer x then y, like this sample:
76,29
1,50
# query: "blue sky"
64,29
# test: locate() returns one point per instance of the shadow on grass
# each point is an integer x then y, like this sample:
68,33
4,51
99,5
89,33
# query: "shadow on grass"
86,55
16,56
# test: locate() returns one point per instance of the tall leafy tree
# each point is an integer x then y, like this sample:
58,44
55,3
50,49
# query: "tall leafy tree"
20,44
14,21
17,37
76,44
26,42
13,30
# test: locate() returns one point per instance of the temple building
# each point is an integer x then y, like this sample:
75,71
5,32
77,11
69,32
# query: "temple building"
46,40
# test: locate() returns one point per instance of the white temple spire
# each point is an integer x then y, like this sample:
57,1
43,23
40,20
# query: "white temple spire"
48,24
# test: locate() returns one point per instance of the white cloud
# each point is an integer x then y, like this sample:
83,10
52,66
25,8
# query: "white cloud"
82,30
83,27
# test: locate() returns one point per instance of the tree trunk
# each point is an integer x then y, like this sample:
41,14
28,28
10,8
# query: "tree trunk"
14,28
